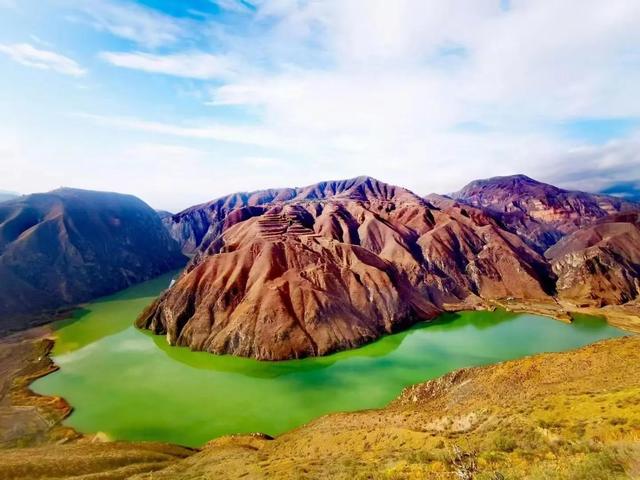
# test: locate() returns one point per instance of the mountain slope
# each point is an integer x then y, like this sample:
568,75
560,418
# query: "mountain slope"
68,246
600,264
307,271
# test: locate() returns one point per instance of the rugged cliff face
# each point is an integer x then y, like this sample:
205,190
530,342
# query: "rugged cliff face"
600,264
336,265
538,212
68,246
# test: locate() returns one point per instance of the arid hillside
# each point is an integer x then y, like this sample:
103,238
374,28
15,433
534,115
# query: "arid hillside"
538,212
339,265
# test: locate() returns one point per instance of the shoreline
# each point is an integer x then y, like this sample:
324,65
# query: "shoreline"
483,410
56,439
33,418
57,409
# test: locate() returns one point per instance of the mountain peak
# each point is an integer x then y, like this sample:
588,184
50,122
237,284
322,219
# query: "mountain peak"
512,187
362,188
519,181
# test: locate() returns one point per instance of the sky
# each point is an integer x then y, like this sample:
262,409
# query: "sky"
180,102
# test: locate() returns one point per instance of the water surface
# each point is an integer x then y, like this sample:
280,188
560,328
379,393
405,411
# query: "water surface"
131,385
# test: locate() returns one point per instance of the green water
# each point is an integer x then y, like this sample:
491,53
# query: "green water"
131,385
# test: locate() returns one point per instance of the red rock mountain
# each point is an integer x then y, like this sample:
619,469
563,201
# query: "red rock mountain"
330,266
69,246
196,227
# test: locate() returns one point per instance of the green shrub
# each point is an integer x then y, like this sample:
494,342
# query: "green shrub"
505,443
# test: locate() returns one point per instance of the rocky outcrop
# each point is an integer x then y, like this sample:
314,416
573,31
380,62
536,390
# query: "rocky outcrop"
68,246
538,212
335,265
599,265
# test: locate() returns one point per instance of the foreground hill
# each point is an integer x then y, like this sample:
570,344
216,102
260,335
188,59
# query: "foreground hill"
561,416
335,265
68,246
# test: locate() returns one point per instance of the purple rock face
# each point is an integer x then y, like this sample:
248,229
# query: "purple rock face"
538,212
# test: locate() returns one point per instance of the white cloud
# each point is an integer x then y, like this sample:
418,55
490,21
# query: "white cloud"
34,57
422,93
263,162
188,65
593,168
131,21
384,89
218,132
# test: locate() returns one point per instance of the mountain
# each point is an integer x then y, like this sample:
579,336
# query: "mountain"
196,227
308,271
538,212
68,246
5,195
599,264
626,190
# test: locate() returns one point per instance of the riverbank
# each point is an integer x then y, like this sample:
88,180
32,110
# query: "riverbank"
34,443
28,419
626,316
566,416
224,395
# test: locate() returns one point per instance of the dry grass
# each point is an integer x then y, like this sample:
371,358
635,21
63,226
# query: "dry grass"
566,416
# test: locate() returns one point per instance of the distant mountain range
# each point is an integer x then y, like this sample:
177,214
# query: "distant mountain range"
5,195
68,246
628,190
287,273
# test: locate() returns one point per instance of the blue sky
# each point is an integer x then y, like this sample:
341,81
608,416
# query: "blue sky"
181,102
